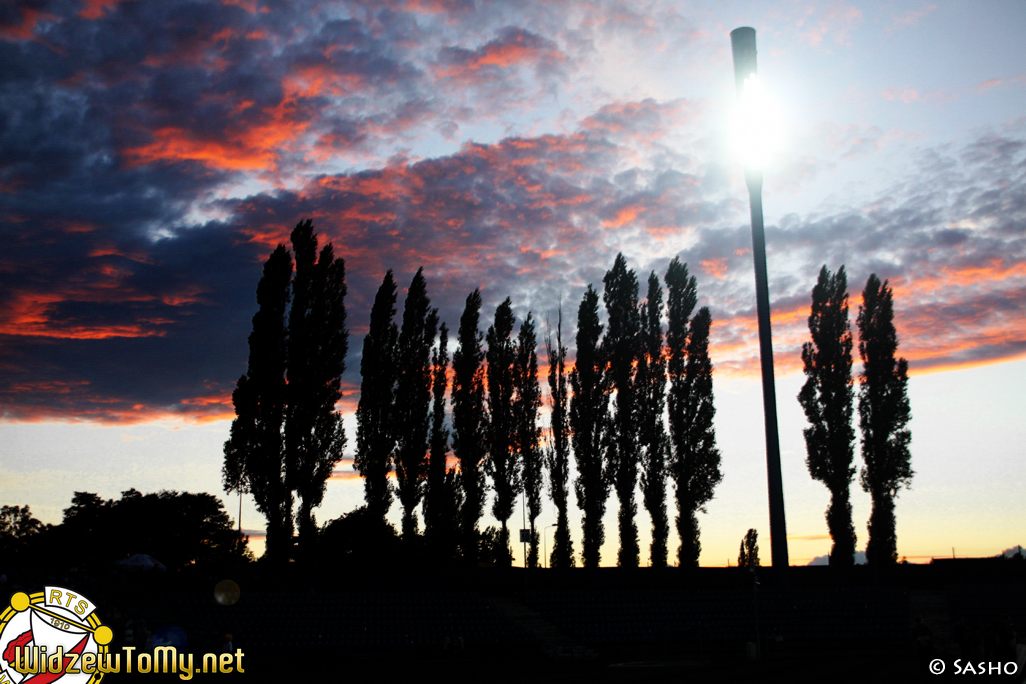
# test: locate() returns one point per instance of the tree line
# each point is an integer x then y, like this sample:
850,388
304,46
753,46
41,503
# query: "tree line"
180,529
635,406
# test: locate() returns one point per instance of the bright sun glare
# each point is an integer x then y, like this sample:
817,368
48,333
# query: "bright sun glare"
757,126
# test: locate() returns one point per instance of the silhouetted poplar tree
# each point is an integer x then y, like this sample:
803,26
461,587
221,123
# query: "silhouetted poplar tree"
254,454
470,422
694,459
375,436
884,414
748,556
588,424
413,399
526,404
621,346
287,437
827,399
557,456
503,463
443,496
317,346
651,406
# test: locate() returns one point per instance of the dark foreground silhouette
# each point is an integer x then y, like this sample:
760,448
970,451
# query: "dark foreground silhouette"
572,625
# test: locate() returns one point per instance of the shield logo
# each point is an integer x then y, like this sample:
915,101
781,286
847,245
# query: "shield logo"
47,623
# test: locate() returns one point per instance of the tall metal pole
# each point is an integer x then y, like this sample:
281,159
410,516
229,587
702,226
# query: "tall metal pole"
743,43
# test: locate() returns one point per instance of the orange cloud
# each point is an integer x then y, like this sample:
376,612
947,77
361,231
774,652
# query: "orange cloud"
74,403
509,54
715,267
219,399
254,139
33,313
734,341
189,295
624,216
315,80
48,387
514,48
940,366
258,150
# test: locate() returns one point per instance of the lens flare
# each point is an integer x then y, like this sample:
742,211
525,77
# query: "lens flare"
757,126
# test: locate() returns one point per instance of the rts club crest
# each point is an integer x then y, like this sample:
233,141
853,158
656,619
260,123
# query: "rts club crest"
51,636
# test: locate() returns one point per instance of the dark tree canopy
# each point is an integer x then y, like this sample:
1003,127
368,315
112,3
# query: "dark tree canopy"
621,346
526,404
17,528
412,403
651,380
317,346
375,437
827,399
694,460
360,540
503,463
490,548
884,413
470,422
588,425
254,455
557,456
179,529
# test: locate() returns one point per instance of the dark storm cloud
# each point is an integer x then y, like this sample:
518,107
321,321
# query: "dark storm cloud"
118,335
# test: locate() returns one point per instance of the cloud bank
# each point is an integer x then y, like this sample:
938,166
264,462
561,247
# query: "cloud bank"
153,154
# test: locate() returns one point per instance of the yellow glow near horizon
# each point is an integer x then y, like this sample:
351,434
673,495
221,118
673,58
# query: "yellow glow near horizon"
757,125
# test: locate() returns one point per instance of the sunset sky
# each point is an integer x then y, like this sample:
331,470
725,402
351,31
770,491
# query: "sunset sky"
152,154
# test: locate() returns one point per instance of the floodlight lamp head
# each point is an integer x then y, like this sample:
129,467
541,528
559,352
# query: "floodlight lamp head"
757,123
742,41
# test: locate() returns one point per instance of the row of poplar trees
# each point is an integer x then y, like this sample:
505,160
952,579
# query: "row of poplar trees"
883,409
608,412
636,404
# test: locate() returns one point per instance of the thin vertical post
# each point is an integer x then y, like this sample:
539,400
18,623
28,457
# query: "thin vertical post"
745,65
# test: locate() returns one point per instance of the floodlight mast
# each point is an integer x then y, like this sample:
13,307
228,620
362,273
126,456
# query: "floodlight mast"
743,43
